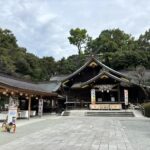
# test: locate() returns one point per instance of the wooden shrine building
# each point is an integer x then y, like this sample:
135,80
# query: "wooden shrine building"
27,96
97,86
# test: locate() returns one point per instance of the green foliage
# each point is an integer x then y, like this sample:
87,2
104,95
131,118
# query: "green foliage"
78,37
48,66
111,41
144,41
7,39
115,48
72,63
146,107
128,59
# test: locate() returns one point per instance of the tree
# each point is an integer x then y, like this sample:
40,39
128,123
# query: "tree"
128,59
140,74
78,37
48,66
7,39
144,41
112,41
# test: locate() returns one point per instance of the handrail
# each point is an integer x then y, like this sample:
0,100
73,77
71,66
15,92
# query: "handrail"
142,109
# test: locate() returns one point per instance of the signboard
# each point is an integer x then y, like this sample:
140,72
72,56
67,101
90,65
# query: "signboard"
12,109
115,106
40,109
93,98
12,114
126,97
106,106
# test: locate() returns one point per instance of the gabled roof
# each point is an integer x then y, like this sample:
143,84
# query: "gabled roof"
93,59
107,74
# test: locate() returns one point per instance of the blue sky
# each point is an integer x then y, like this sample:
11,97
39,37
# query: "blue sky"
42,26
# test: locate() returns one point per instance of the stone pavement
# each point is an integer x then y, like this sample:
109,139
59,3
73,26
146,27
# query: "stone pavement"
80,133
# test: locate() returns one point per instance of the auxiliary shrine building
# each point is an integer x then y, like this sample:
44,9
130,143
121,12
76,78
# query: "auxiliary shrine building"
96,86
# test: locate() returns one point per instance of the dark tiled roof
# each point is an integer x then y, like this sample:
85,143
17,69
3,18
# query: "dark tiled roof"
34,87
99,63
58,78
52,86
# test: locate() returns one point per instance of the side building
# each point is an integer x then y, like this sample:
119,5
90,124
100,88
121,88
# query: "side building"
30,98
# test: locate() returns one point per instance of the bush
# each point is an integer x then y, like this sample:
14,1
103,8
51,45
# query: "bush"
147,109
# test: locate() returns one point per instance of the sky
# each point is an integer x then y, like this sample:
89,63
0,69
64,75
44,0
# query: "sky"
42,26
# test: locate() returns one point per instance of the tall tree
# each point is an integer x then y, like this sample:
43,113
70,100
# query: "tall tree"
79,38
112,41
7,39
144,41
48,66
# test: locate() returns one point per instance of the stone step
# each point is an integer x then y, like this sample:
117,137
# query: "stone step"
65,113
98,113
110,114
76,113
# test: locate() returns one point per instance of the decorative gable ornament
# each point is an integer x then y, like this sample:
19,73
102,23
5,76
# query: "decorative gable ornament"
93,64
104,77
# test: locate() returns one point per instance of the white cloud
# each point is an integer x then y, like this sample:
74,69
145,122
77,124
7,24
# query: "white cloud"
43,26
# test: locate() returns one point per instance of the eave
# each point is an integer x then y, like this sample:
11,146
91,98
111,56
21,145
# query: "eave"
93,59
107,74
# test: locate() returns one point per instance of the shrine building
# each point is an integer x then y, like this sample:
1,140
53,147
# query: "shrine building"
97,86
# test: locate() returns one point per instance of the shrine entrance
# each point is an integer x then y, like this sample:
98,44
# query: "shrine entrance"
107,93
111,96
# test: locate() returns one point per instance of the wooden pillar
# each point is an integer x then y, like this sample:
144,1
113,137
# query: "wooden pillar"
118,93
66,102
29,107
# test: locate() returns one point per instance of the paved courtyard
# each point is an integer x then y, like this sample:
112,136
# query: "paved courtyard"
79,133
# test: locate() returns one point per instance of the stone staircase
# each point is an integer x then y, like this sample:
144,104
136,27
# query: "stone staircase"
110,114
98,113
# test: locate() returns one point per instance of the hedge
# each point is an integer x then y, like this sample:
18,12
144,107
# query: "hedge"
146,107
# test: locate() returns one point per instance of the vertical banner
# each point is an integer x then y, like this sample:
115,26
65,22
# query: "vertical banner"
93,97
53,103
126,97
40,110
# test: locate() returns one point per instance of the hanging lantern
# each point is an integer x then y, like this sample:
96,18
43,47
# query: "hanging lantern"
36,98
4,92
107,91
20,93
11,92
